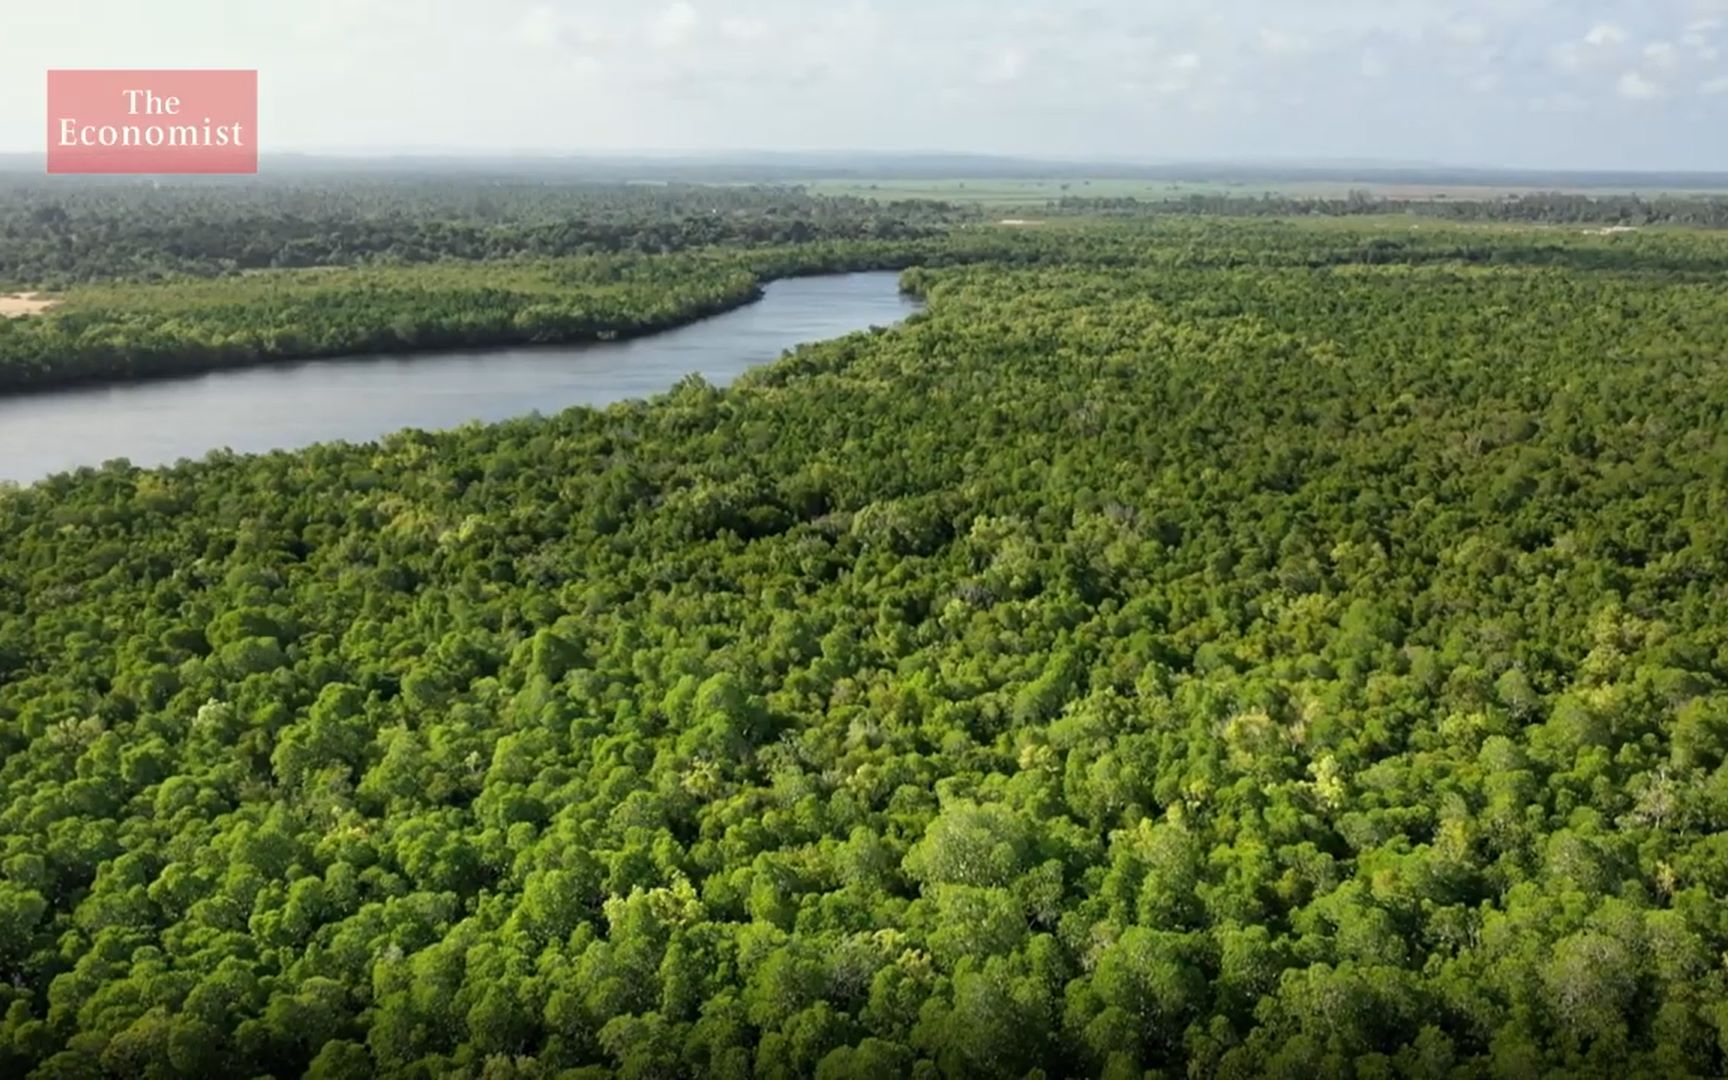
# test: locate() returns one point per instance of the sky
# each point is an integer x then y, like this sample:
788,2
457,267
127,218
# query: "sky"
1606,84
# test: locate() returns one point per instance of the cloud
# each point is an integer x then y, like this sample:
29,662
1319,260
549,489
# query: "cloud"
1006,66
674,27
1437,80
1467,35
1599,47
1699,37
1558,103
1633,86
1662,54
1568,57
1179,73
744,31
539,25
1274,42
1605,35
543,26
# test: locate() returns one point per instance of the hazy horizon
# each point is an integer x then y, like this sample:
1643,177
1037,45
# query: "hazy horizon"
1599,85
797,166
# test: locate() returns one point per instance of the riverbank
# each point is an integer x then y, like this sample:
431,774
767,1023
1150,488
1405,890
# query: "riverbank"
122,333
287,405
395,339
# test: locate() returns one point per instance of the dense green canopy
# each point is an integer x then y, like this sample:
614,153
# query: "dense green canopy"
1205,649
61,230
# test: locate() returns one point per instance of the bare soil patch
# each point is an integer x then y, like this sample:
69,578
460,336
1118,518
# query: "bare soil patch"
18,305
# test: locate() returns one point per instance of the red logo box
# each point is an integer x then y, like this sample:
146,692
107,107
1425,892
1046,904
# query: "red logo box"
152,121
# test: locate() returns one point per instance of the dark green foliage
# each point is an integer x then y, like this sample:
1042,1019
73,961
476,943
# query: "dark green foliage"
1549,207
1191,650
58,232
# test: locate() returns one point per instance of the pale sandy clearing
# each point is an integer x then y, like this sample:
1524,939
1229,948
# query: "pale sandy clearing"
18,305
1018,221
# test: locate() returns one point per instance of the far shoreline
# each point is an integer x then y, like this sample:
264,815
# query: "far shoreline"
196,367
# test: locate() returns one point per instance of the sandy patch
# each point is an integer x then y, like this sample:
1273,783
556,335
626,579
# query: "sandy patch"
1022,222
18,305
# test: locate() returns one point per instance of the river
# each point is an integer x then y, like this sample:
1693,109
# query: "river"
281,406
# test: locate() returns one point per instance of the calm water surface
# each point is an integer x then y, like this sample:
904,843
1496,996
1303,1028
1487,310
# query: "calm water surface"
283,406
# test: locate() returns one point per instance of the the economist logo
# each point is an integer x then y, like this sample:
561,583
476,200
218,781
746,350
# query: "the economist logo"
152,121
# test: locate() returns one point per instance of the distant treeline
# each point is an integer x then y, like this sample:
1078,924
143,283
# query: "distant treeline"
124,330
1548,208
54,235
